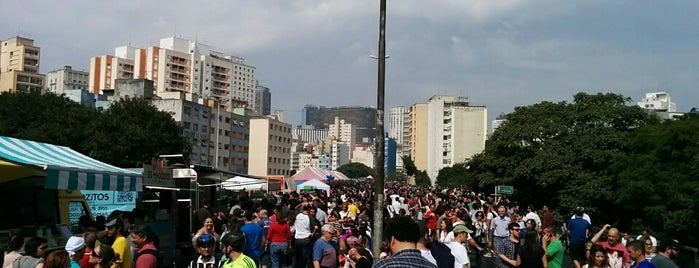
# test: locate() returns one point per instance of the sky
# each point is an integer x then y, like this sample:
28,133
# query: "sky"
499,53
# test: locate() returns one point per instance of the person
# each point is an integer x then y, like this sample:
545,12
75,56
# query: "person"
75,246
12,252
507,249
57,259
233,245
667,250
646,234
649,248
617,254
357,258
302,244
205,248
90,240
531,254
204,212
254,237
481,234
499,231
120,245
34,252
578,229
431,219
208,228
461,236
278,237
403,234
637,253
144,239
103,256
219,220
430,250
547,219
324,254
531,214
444,230
553,247
597,258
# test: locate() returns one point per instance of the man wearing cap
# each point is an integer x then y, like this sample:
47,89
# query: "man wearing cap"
76,249
121,245
667,250
233,248
457,248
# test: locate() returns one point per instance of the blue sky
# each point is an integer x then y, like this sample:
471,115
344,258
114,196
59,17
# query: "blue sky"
501,54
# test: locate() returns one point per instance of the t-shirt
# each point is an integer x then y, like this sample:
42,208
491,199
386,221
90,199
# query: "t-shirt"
460,254
324,253
617,254
241,262
508,248
121,247
253,238
428,255
661,261
554,251
578,227
643,264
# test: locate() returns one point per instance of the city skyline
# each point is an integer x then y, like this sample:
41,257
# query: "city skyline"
499,54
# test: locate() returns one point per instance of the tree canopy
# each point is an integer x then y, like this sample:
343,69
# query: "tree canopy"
355,170
127,134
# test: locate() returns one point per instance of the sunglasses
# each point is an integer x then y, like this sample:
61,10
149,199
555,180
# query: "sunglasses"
515,230
94,254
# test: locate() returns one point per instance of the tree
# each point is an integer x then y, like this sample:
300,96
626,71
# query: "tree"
132,131
559,153
355,170
409,165
421,178
456,175
657,182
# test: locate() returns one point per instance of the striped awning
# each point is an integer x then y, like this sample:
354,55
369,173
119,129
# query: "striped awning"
67,169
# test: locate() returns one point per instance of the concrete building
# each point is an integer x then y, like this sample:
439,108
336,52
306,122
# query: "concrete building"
194,118
133,88
497,122
417,143
363,118
660,104
339,154
66,78
263,100
19,66
81,96
270,147
399,130
364,153
180,65
455,132
344,132
309,134
324,162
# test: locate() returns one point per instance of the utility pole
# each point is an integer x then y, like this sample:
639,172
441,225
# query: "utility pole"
378,181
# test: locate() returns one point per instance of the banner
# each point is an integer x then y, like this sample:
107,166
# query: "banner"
104,202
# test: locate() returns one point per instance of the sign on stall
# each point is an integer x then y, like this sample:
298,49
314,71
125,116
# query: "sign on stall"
104,202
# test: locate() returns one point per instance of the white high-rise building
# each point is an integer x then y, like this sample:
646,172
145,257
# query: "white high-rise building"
66,78
339,154
455,132
344,132
399,130
658,101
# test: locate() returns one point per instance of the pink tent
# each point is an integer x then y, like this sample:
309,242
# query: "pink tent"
320,174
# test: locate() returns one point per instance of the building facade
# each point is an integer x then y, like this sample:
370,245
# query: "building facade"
455,132
105,69
270,147
263,100
339,154
19,66
363,118
344,132
417,142
309,134
399,130
66,78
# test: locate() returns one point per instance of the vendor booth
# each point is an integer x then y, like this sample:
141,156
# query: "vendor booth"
313,185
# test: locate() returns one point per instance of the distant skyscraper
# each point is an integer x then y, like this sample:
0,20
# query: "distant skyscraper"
399,130
362,118
263,100
456,132
19,66
66,78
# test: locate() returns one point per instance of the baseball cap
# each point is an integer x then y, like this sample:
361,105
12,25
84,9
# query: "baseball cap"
668,243
461,229
74,244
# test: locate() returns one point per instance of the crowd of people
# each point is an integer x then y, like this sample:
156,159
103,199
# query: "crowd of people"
423,227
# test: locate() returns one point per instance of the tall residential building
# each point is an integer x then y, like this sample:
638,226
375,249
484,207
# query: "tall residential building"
19,66
363,118
339,154
399,131
263,100
455,132
66,78
180,65
343,132
270,147
417,143
194,118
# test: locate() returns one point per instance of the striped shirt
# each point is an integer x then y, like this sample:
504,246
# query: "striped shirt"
405,258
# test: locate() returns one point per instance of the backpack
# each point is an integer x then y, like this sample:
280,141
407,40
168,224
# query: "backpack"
163,261
441,253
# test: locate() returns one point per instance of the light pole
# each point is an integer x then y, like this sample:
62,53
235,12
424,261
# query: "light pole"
379,180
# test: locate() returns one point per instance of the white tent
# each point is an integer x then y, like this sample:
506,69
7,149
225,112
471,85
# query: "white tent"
313,185
239,183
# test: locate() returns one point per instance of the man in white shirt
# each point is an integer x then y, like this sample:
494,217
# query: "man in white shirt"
531,214
461,259
302,244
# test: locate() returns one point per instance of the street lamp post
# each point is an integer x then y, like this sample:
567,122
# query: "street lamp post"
379,180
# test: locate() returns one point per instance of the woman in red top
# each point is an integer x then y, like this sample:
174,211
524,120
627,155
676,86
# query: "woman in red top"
278,237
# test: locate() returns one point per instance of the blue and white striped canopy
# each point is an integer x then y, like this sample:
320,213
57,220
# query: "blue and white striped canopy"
67,169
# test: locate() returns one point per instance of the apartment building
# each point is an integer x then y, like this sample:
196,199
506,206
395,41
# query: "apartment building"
19,66
270,147
66,78
417,141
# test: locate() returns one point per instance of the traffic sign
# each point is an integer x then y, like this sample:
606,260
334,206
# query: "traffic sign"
504,189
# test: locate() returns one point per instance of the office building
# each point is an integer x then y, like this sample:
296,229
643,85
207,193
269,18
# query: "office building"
362,118
309,134
19,66
344,132
263,100
66,78
270,147
417,141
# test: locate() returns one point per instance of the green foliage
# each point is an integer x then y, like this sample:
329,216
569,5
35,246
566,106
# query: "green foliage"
409,165
396,176
355,170
559,153
421,178
454,176
658,180
127,134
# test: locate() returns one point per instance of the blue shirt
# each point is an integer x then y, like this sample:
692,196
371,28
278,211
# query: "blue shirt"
499,226
74,264
324,253
577,228
253,238
643,264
